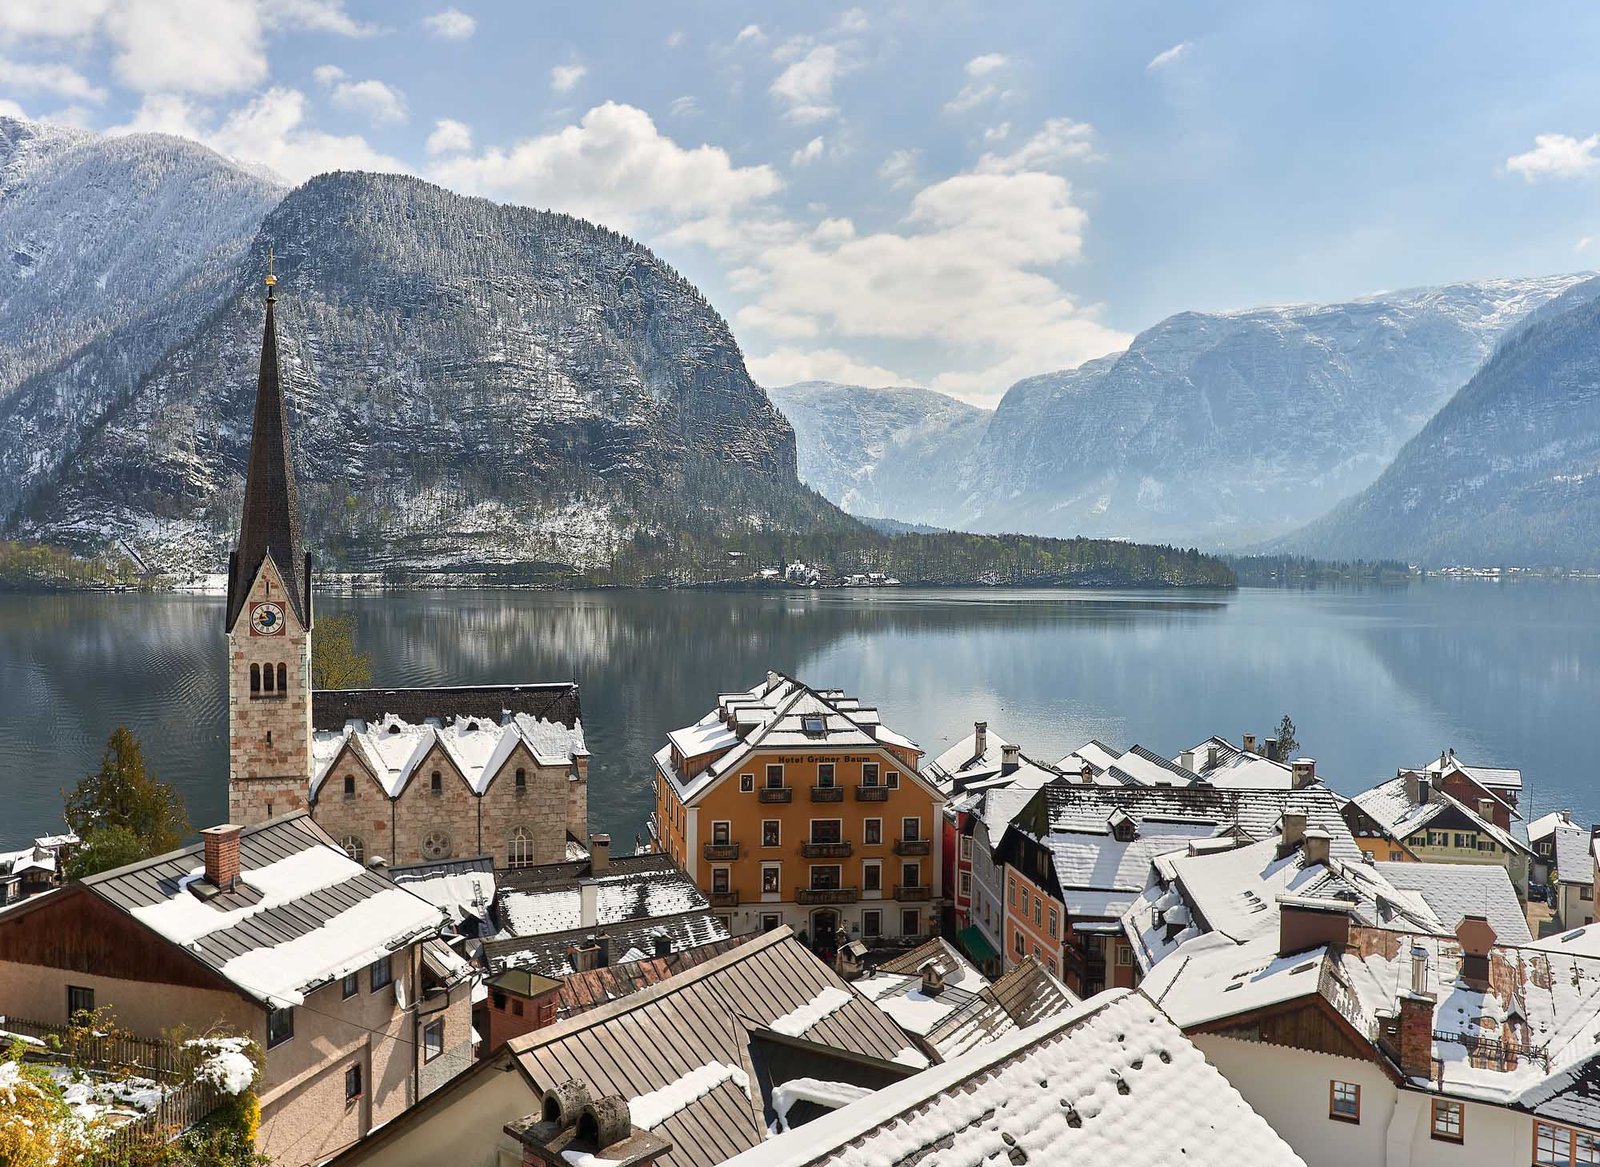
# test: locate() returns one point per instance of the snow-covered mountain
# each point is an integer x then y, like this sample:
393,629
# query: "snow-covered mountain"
1508,472
1221,429
470,383
871,450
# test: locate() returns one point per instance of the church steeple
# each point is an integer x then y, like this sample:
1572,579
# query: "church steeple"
271,520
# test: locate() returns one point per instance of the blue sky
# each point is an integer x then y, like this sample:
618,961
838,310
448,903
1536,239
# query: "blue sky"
944,193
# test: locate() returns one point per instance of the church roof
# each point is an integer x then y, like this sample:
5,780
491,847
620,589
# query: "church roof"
271,521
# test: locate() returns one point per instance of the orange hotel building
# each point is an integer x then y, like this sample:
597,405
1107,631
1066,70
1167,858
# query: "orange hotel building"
798,806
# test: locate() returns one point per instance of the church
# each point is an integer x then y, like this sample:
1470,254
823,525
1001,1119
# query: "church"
408,775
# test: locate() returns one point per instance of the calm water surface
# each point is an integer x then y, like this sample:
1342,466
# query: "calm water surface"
1507,674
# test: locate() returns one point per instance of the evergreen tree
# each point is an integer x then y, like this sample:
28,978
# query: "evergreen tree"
122,812
1288,744
335,663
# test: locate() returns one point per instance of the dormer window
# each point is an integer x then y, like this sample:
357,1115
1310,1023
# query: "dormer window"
813,725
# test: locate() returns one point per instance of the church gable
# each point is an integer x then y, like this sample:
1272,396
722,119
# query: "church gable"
267,588
348,763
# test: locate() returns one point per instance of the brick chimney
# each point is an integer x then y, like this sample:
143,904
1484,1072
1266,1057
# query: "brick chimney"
1476,936
1304,772
572,1127
1010,758
599,853
222,855
1248,743
980,738
1305,923
1416,1022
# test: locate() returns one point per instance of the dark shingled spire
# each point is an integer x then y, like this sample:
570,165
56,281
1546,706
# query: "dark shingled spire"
271,521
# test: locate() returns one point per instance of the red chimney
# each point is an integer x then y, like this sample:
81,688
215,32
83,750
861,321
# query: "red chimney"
222,855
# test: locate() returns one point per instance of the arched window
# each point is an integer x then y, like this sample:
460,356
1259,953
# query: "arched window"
255,678
283,678
354,847
522,780
519,851
436,782
268,674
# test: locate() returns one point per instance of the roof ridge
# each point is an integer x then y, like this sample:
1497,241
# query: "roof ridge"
197,848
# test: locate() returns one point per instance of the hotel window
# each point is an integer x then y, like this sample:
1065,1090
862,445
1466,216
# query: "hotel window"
813,726
280,1026
1560,1146
1447,1120
771,879
79,1000
719,832
825,774
826,830
354,847
910,922
869,773
872,832
872,923
349,785
966,848
872,876
964,884
350,986
1344,1101
911,874
432,1040
382,973
747,783
825,877
1054,923
719,881
892,780
911,829
775,776
771,922
352,1083
771,832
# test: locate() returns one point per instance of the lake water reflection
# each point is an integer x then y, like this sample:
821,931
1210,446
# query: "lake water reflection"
1506,674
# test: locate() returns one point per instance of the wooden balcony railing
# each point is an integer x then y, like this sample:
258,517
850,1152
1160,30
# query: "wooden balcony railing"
826,895
842,850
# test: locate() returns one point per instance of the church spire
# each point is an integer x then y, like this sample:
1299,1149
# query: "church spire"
271,521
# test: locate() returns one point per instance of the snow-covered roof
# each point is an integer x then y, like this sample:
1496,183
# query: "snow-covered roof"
1147,768
1574,862
1545,825
302,915
1109,1081
1491,777
535,901
463,888
1094,753
1101,876
1455,890
1392,808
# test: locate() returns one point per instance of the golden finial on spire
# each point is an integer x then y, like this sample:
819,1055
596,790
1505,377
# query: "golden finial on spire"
272,279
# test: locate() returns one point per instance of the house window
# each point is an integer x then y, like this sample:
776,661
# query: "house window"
1054,922
872,923
1585,891
519,849
354,847
352,1083
432,1040
382,973
719,881
522,781
1560,1146
911,829
1124,956
280,1026
825,877
1011,883
1038,911
775,776
747,783
826,830
1019,944
771,921
892,780
516,1007
872,877
872,832
79,1000
910,922
825,774
1027,903
350,986
771,832
813,726
966,848
436,782
349,785
720,832
911,874
771,879
869,773
964,887
1344,1101
1447,1120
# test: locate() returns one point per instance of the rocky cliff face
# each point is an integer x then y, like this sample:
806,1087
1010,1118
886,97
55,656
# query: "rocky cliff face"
872,451
1507,473
470,383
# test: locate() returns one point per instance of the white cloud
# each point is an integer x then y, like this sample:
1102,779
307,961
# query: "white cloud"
1058,140
684,106
616,167
380,103
328,74
50,19
751,33
900,168
10,109
674,38
997,133
1585,243
564,78
983,82
808,153
187,46
449,137
452,24
314,16
854,21
806,86
1170,56
786,365
52,78
1557,156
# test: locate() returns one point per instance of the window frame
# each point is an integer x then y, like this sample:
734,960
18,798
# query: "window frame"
870,772
872,923
771,921
891,779
1334,1094
747,783
1569,1156
876,867
1019,942
964,884
285,1033
915,916
1447,1107
812,876
825,776
777,834
432,1039
350,985
76,993
358,852
721,832
774,770
386,965
966,848
838,833
349,785
775,870
872,832
352,1074
914,835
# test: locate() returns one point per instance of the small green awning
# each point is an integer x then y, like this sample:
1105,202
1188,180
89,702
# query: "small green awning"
977,944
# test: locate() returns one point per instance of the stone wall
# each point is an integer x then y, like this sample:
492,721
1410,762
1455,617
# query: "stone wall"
269,733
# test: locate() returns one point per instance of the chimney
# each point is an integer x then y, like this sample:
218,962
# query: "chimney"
1486,809
1249,742
588,956
1272,749
1416,1021
1305,923
1305,772
572,1127
1186,759
1294,829
1010,759
663,944
932,979
602,944
1424,788
1086,774
588,903
980,738
851,960
222,855
1317,842
1476,936
599,854
1211,756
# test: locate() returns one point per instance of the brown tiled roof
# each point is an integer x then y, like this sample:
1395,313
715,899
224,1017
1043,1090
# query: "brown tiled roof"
590,990
556,702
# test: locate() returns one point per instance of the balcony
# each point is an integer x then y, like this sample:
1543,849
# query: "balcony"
826,895
723,899
909,894
775,794
721,852
826,850
827,794
872,794
913,846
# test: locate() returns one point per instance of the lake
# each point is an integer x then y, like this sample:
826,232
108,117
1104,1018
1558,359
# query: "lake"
1506,674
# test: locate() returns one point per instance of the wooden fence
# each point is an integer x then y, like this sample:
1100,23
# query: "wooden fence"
147,1057
174,1114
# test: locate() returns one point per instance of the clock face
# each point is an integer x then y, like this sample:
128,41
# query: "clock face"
266,619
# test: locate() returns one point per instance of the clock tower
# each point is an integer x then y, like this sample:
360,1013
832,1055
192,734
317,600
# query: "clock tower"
268,620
